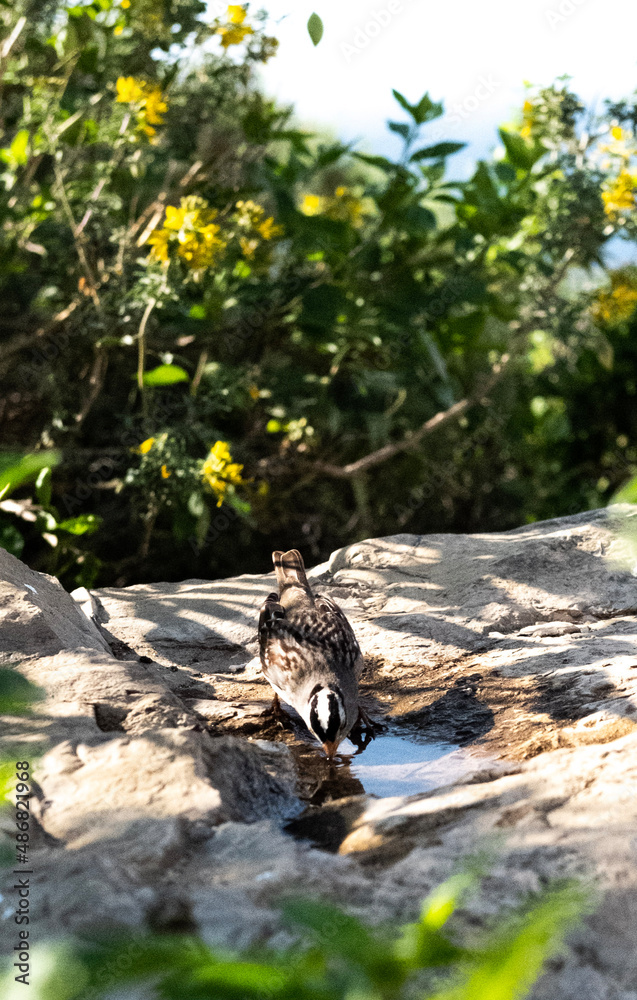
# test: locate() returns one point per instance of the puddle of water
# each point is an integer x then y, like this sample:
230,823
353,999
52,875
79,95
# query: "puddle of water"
394,765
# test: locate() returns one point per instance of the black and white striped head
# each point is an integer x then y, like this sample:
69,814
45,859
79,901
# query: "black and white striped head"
327,716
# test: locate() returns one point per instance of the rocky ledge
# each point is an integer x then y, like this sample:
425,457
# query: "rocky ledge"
164,798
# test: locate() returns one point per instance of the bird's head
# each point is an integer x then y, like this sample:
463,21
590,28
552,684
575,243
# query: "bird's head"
328,716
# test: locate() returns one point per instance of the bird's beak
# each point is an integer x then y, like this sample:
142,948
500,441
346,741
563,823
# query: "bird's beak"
330,748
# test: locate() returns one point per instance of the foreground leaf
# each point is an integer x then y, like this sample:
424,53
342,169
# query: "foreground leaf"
315,28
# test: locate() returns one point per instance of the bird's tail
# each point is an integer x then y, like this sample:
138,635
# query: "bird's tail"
290,573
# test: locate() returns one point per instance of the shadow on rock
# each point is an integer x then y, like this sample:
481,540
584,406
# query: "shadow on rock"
457,717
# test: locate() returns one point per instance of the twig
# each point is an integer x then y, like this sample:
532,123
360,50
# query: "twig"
141,344
26,339
96,381
78,239
201,364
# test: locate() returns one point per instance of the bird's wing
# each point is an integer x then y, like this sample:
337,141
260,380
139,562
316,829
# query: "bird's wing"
271,612
286,655
336,630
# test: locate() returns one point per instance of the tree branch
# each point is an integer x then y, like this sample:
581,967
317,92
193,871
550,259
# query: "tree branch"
23,340
413,438
79,238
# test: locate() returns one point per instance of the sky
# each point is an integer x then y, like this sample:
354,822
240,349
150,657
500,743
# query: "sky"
474,56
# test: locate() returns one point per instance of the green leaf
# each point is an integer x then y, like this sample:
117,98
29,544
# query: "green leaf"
425,111
16,469
376,161
626,493
400,128
241,506
11,539
255,979
340,933
19,146
520,153
315,28
440,149
241,269
418,219
43,486
83,524
404,103
166,375
16,692
512,964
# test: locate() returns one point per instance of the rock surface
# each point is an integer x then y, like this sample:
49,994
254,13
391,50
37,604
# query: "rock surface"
164,797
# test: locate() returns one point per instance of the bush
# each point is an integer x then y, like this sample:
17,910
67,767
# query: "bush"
205,307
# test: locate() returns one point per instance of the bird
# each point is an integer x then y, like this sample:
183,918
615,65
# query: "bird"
309,655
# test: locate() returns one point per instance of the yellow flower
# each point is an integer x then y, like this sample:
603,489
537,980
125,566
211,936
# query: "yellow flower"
617,133
154,106
248,247
125,4
149,98
145,446
618,304
118,29
165,474
236,13
268,229
312,204
528,119
620,196
235,30
191,230
250,216
129,90
158,240
220,472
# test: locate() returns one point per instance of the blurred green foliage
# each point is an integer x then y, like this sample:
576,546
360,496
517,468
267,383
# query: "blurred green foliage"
335,956
181,264
17,695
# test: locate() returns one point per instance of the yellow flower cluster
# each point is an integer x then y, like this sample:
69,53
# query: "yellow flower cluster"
342,205
192,231
616,305
620,196
220,472
250,218
150,104
528,119
145,447
235,30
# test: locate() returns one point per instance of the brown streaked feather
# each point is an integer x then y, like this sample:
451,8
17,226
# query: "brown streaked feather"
290,569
